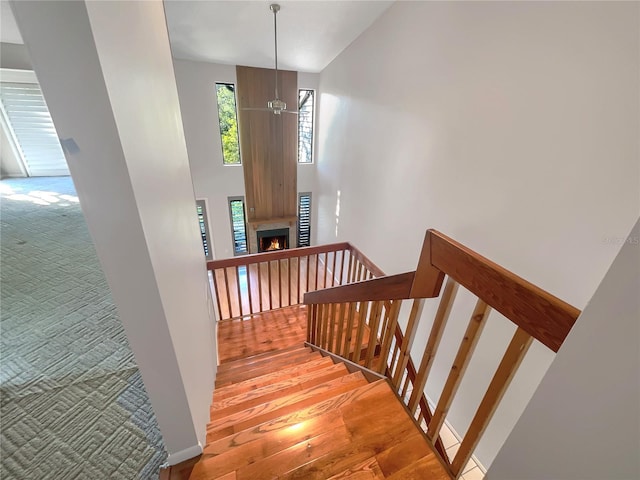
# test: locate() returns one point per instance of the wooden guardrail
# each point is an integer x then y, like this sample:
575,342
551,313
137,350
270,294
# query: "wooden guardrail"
360,322
256,283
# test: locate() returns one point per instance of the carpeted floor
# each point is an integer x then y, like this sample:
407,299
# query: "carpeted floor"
72,402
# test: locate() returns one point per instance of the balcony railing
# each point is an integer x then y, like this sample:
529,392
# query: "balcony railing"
266,281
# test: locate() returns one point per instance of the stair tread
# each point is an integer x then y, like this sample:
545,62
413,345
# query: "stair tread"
276,357
366,470
411,449
256,382
222,457
277,389
293,414
375,424
244,362
327,407
228,476
228,378
285,461
259,413
362,436
428,467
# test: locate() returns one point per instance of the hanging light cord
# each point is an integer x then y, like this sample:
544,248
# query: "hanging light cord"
275,8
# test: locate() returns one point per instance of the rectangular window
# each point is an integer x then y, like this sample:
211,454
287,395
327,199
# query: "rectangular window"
238,225
305,125
228,118
304,219
201,209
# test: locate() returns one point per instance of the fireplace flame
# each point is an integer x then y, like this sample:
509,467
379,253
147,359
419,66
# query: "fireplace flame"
275,245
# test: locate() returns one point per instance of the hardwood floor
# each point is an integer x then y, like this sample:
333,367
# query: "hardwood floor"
260,287
266,332
269,331
281,411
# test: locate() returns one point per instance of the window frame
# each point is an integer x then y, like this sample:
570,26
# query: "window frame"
313,127
235,101
202,202
300,195
233,238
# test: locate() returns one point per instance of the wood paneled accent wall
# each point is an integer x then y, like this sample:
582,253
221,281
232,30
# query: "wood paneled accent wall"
268,144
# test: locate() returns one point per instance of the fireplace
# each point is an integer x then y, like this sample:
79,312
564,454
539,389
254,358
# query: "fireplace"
271,240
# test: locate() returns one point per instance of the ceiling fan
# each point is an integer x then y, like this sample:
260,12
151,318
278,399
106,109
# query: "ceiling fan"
276,106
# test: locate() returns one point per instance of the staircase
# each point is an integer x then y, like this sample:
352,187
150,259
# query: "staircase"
281,410
294,414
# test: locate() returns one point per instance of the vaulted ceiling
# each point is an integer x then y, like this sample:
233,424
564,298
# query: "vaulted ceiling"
310,33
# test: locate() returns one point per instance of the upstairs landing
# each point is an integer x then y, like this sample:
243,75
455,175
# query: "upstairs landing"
261,333
267,332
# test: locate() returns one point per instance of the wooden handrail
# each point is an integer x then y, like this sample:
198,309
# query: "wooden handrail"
391,287
544,316
372,267
254,283
277,255
536,313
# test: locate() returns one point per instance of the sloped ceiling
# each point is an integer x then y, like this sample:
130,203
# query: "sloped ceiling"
310,33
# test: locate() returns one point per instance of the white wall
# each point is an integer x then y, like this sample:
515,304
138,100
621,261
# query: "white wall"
106,72
211,179
510,126
583,423
13,55
10,163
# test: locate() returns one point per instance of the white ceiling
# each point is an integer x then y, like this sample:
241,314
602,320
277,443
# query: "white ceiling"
310,33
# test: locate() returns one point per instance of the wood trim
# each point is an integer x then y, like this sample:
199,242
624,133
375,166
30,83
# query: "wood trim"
362,258
460,363
406,342
268,143
363,314
424,406
431,348
509,364
428,281
179,471
267,221
374,323
272,256
387,334
392,287
352,367
544,316
349,331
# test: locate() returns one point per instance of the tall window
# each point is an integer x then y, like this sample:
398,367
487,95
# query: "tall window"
305,125
201,209
238,225
304,219
227,115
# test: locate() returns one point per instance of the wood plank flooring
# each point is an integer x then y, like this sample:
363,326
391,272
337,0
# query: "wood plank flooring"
281,411
266,332
267,286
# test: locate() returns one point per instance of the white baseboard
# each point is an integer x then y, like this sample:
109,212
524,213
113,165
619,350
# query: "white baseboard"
186,454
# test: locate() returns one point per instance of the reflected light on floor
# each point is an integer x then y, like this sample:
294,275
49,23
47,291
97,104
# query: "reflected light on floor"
37,197
295,428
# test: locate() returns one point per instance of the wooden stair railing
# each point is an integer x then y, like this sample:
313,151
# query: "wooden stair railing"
265,281
339,316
